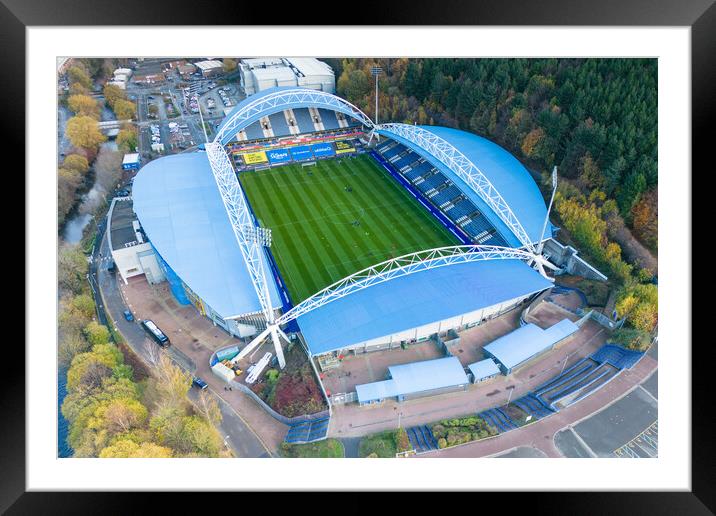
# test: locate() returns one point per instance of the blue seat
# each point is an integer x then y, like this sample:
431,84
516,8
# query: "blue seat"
328,118
304,120
446,195
393,151
406,160
254,131
279,124
463,208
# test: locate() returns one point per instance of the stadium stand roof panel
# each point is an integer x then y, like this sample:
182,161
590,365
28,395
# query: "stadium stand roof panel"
181,211
503,170
414,378
522,344
415,300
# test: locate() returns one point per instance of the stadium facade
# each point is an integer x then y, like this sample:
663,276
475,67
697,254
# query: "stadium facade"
204,233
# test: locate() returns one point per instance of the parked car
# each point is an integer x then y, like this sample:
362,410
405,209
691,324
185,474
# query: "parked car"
198,382
128,315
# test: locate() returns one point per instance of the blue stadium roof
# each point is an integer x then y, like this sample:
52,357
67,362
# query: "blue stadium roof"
414,378
503,170
181,211
415,300
528,341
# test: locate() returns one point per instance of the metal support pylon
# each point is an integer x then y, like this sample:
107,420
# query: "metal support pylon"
276,335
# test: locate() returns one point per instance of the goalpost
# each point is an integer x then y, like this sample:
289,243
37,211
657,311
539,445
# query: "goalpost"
308,164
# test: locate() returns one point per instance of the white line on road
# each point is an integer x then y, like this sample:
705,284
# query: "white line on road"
581,441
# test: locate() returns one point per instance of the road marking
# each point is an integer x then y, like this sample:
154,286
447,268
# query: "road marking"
584,444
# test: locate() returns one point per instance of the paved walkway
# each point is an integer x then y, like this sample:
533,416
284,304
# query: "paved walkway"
354,420
540,435
262,437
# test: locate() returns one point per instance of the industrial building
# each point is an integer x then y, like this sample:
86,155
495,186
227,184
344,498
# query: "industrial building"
210,68
133,255
260,74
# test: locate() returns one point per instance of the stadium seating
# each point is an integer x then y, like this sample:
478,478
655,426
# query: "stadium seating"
463,208
328,118
418,170
492,239
304,120
254,131
406,160
478,227
446,195
617,356
393,151
386,146
279,125
431,182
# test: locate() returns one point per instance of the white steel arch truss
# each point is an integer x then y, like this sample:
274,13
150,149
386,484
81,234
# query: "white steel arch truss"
276,101
464,169
403,266
241,222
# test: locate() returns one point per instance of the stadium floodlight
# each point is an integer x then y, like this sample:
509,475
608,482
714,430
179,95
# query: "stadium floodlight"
376,71
258,235
549,208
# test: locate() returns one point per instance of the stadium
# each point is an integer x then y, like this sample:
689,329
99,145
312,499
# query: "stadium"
304,219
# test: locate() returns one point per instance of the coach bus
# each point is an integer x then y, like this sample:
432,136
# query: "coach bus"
156,333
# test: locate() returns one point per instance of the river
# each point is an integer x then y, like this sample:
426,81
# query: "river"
63,449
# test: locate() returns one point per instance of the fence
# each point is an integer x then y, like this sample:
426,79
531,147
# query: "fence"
283,419
343,398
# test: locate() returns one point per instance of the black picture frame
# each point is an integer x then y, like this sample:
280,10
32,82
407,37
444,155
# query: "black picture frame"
700,15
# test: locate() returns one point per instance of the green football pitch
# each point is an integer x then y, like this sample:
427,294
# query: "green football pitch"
335,218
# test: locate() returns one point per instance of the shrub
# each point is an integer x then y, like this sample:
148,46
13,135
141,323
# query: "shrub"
442,443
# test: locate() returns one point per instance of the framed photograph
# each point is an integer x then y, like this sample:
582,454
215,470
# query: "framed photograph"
420,247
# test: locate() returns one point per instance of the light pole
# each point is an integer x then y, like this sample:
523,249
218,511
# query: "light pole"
376,71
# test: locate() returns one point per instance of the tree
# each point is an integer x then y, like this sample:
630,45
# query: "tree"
68,181
76,163
645,214
83,131
71,269
83,105
229,65
112,94
77,75
124,109
96,333
129,449
108,169
127,140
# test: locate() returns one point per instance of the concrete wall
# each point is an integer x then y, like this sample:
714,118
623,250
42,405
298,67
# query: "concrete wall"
565,256
426,331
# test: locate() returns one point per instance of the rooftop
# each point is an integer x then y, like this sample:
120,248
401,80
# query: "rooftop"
509,177
208,65
121,230
415,300
130,158
484,369
529,340
415,378
182,213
